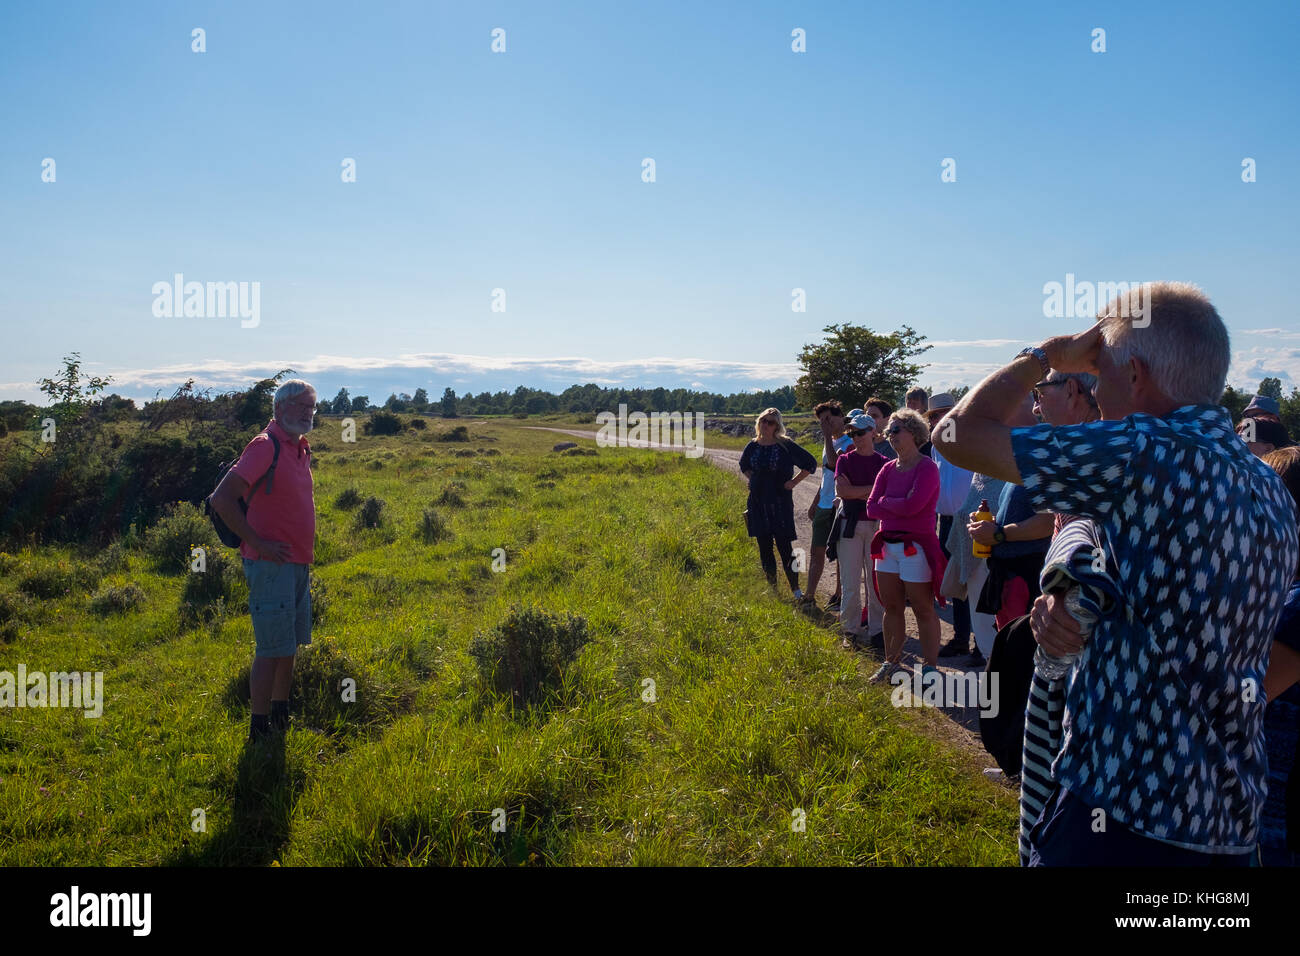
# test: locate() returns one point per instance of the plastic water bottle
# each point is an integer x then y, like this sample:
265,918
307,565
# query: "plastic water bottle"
1051,666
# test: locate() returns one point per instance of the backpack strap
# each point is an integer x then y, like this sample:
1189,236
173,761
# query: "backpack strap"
269,477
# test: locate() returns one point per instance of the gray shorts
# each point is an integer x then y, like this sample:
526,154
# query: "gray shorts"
279,601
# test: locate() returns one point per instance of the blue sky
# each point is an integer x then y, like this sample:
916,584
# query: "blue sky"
522,171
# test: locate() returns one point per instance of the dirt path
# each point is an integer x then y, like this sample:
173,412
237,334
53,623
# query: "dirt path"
962,728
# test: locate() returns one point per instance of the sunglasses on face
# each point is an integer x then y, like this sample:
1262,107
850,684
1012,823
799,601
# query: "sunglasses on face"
857,434
893,430
1038,395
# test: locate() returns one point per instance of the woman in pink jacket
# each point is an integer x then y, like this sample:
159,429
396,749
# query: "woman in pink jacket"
909,563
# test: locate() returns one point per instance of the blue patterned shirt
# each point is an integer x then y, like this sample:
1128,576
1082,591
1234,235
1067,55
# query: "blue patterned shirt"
1161,730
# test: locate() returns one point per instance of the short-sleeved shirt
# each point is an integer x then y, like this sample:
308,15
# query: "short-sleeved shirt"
827,497
288,513
1013,507
1161,730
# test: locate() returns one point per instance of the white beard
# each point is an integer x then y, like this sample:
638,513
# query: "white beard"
310,425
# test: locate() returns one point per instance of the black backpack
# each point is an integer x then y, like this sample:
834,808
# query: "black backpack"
228,537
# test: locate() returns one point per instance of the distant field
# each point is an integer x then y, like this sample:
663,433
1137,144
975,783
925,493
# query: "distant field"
758,719
800,423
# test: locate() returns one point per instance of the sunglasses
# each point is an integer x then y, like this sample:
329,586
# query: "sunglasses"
1037,390
854,433
893,429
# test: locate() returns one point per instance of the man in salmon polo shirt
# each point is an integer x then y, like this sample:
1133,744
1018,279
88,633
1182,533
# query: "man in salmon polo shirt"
278,535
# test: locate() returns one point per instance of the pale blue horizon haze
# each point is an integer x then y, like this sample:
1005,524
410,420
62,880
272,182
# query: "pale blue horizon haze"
522,170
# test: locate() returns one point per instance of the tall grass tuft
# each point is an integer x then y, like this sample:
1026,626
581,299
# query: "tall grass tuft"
433,527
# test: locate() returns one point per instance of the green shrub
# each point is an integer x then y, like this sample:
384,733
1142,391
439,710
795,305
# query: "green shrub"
113,558
382,423
14,606
433,527
375,465
317,682
526,654
347,499
419,424
317,698
56,579
181,528
371,514
320,601
117,600
214,592
459,433
453,495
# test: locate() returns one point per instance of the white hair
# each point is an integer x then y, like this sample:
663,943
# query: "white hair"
1084,381
290,390
1179,337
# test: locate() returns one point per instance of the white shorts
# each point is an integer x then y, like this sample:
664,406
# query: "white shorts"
914,569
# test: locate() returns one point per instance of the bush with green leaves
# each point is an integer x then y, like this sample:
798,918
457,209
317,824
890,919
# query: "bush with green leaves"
117,600
217,590
453,496
318,680
525,655
459,433
371,514
320,600
347,499
181,528
433,527
382,423
16,609
54,579
112,559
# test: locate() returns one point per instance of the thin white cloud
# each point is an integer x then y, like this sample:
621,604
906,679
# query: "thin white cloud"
222,373
372,374
979,343
1275,333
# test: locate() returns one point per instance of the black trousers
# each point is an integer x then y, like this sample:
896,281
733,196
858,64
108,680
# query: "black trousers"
960,609
785,546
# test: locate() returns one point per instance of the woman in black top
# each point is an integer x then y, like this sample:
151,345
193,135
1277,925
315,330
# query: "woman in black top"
769,462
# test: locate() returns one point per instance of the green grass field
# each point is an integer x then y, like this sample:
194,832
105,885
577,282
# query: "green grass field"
763,744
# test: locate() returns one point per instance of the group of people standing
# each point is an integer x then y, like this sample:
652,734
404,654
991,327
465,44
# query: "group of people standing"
887,514
1150,550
